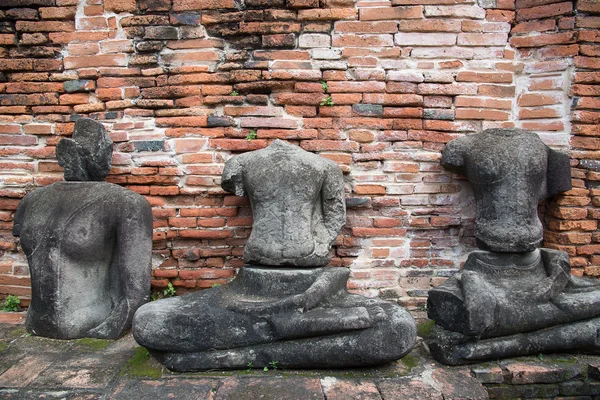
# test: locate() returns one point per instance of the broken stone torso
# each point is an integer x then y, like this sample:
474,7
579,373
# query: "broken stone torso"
510,171
297,204
71,233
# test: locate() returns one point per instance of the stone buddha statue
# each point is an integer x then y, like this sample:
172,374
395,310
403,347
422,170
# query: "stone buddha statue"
285,305
511,297
88,244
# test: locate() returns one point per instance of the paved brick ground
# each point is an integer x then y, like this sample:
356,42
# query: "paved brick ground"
35,368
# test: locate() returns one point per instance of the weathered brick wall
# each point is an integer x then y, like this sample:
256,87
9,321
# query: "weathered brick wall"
377,86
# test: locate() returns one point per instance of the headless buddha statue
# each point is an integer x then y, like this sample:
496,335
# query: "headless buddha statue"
510,287
88,244
285,305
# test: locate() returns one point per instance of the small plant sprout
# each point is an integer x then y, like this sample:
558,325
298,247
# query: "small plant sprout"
234,93
251,135
265,369
327,101
273,365
250,366
11,303
324,86
169,291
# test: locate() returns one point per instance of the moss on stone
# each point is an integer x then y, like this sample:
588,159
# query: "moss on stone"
3,346
94,344
140,365
410,361
424,328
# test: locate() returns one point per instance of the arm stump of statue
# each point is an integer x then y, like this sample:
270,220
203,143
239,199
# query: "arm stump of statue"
88,244
511,298
284,305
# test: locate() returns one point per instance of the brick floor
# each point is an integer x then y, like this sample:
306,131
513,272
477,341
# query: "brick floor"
36,368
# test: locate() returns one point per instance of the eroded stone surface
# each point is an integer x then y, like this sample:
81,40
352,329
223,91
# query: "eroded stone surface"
342,389
87,155
24,372
522,373
511,298
297,201
270,388
300,318
193,389
409,389
511,171
88,244
500,294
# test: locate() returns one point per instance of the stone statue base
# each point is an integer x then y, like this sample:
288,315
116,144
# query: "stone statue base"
509,304
299,318
452,348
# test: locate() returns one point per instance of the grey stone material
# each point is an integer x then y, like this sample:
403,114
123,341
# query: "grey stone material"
218,120
77,86
301,317
149,145
87,156
511,171
368,110
149,46
590,164
453,348
297,201
160,32
88,244
355,202
438,113
511,298
499,294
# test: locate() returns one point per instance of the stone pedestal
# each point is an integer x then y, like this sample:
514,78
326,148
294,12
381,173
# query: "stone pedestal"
506,305
299,318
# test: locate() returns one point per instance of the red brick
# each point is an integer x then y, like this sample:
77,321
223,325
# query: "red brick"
366,27
57,12
45,26
430,25
371,232
488,77
100,60
550,10
120,5
369,189
590,6
534,26
204,234
329,14
559,51
194,5
544,39
491,115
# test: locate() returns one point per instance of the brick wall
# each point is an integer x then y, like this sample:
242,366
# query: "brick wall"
377,86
